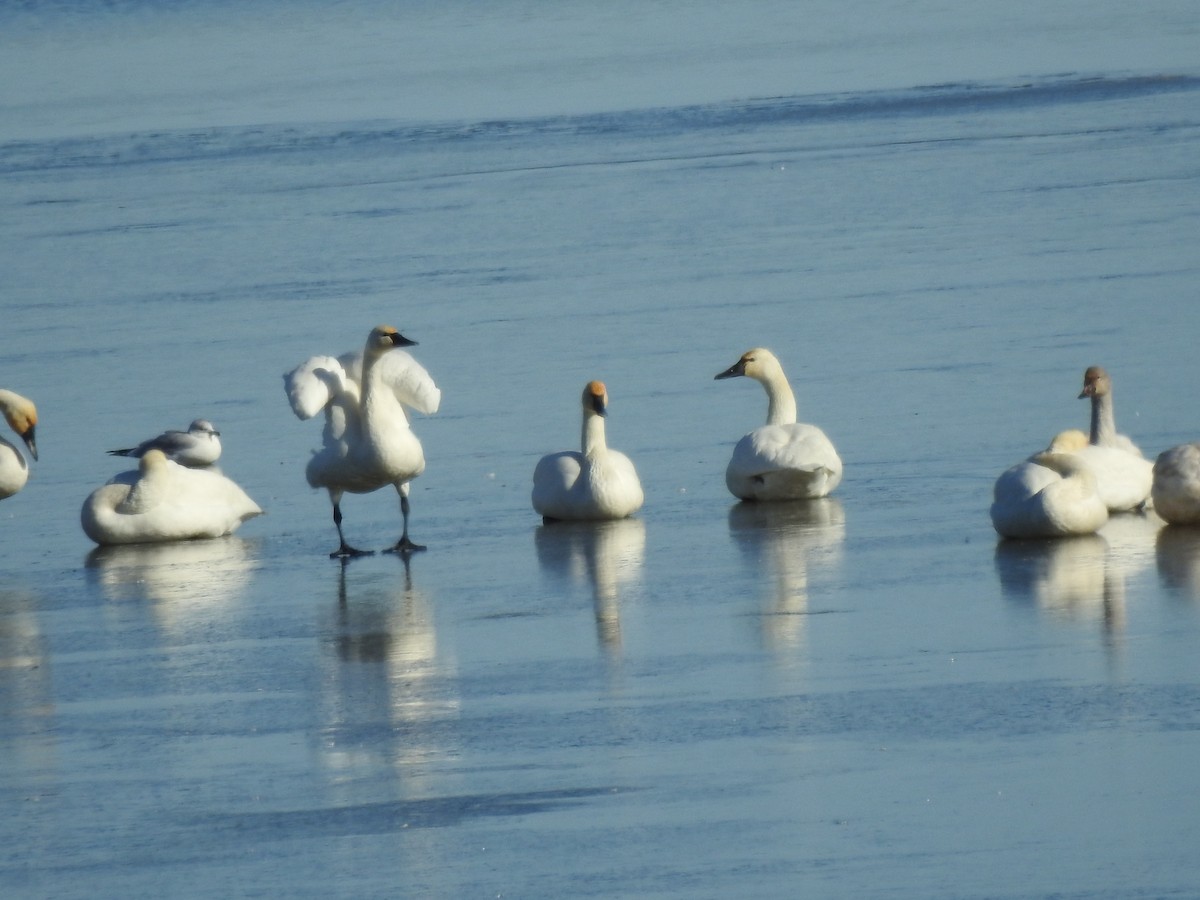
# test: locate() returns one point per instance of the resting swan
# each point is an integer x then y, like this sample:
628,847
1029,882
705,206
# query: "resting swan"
595,484
784,459
367,440
1176,490
164,501
1051,494
199,446
1124,477
21,415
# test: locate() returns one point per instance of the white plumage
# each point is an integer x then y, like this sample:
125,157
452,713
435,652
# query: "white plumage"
597,483
21,415
784,459
1051,494
368,442
1123,476
164,501
1176,489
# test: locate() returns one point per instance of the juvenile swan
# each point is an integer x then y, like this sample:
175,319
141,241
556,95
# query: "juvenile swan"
1051,494
1124,477
199,446
784,459
22,418
1176,490
596,484
164,501
367,441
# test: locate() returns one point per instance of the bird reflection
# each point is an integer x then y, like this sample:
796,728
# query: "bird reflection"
1177,551
26,687
608,555
182,579
1080,578
787,540
1065,576
387,694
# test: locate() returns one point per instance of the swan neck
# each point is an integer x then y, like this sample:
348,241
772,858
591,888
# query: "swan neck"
1104,426
594,442
781,402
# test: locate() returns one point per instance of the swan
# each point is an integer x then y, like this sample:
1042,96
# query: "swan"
1123,475
164,501
22,418
595,484
367,439
199,446
1051,494
1176,487
784,459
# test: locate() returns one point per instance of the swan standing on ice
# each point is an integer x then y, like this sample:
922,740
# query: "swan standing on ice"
199,446
1123,476
1051,494
367,440
596,484
784,459
164,501
22,418
1176,490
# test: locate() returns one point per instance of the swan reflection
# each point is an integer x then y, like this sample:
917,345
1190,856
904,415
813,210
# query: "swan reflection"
787,540
387,692
606,555
1064,576
1177,551
26,686
182,579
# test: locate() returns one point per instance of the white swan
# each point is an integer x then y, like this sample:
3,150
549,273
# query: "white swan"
1051,494
199,446
367,440
1176,488
596,484
1123,476
164,501
784,459
22,418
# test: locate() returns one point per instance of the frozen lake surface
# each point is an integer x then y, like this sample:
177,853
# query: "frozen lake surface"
936,223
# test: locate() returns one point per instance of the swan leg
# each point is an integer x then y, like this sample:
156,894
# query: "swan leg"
344,550
405,544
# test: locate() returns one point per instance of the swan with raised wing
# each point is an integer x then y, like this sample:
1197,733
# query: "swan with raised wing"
784,459
597,483
199,446
368,442
164,501
21,416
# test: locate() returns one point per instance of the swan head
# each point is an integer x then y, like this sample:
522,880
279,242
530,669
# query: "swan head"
595,399
22,418
1070,441
1096,383
384,337
203,426
759,364
1067,465
152,461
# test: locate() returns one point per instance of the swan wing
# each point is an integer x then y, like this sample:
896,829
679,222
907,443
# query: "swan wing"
409,381
312,384
781,462
798,446
1124,479
553,478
